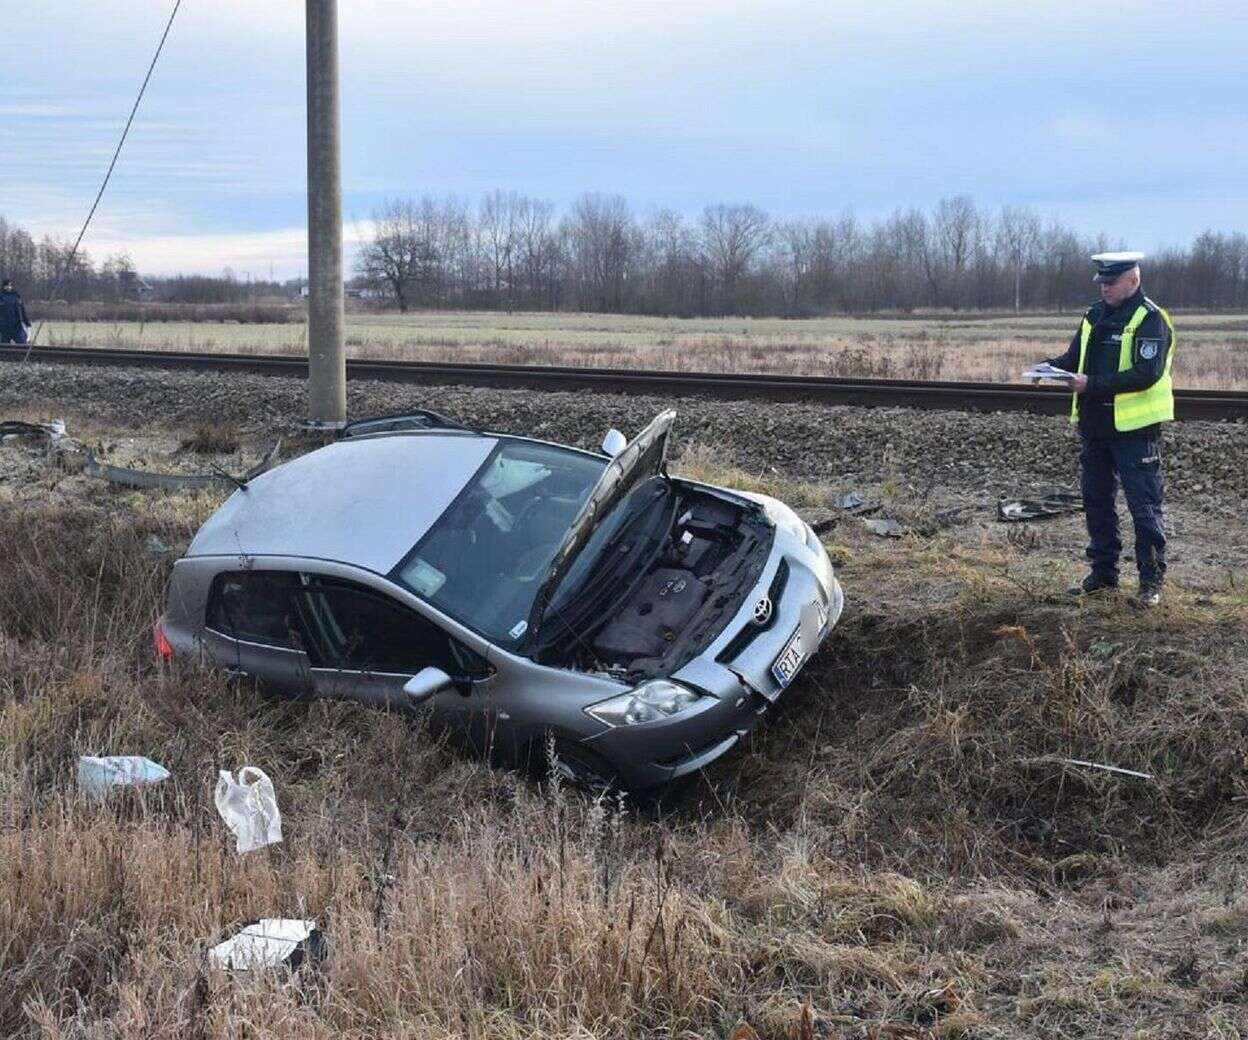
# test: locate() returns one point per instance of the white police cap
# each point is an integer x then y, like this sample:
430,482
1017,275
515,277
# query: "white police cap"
1110,265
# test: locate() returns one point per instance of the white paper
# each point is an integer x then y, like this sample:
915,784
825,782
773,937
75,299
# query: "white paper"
1046,371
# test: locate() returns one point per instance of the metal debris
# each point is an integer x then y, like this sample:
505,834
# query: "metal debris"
1056,503
53,430
1117,770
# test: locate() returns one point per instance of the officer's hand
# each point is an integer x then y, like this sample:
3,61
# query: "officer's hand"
1079,383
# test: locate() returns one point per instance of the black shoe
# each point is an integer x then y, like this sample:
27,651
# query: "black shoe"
1092,583
1149,596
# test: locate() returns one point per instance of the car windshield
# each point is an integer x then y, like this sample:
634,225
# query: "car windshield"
485,558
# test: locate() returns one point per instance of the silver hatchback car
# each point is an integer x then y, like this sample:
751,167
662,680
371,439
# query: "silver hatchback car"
529,594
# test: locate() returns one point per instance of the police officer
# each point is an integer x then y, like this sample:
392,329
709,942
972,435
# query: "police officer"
13,319
1121,357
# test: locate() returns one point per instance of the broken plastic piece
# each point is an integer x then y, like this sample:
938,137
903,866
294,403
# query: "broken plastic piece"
137,478
249,807
270,943
97,776
851,501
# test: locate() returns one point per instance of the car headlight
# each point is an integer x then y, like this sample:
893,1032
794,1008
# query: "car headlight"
650,702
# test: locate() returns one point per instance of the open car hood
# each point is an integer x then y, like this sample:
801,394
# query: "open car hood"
641,459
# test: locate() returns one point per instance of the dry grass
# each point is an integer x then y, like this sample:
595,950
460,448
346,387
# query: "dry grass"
895,848
992,349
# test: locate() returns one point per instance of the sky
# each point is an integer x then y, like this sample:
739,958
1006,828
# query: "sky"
1122,118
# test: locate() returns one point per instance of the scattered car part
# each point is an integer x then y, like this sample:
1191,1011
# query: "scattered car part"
249,807
1057,503
137,478
53,430
97,776
270,942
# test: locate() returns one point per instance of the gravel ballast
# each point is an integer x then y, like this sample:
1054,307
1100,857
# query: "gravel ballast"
957,451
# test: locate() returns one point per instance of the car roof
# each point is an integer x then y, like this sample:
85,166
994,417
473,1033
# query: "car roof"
364,502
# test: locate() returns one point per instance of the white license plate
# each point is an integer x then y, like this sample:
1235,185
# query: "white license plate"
784,667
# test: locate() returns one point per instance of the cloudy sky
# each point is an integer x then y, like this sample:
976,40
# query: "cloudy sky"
1124,118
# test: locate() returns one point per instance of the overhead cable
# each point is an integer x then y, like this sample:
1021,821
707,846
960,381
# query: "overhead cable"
73,253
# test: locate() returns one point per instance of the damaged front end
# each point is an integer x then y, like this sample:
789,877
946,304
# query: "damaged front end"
657,595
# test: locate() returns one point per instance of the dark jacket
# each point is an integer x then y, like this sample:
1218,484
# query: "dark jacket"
12,311
1096,404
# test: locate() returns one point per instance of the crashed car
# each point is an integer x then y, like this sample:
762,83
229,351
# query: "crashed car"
533,596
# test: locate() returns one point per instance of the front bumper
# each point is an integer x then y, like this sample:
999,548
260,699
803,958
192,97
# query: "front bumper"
734,671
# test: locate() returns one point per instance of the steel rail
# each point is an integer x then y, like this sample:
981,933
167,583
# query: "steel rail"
877,393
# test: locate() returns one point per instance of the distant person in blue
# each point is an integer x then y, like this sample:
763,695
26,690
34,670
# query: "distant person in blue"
1121,356
13,320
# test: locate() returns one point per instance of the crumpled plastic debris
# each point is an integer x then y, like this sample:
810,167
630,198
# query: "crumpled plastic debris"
248,806
97,776
271,942
1056,503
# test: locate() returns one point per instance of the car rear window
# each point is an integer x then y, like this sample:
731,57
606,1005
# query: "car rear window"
255,606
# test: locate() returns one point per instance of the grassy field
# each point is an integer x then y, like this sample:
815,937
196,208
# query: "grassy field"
900,848
1214,348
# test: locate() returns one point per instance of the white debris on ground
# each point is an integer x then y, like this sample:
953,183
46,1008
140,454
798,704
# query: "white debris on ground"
98,776
269,943
248,806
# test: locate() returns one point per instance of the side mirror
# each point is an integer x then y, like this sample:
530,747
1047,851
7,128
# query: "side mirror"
425,684
614,442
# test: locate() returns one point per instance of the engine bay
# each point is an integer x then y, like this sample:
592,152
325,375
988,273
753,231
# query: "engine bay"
667,612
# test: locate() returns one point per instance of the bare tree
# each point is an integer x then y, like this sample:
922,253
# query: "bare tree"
601,242
1018,232
795,261
731,238
956,226
393,258
499,225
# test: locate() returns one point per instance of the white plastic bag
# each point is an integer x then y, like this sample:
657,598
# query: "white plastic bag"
249,807
96,776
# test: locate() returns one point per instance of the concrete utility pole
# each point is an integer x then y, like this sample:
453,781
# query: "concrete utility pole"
327,366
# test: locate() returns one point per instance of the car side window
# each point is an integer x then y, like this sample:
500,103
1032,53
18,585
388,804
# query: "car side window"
357,629
255,606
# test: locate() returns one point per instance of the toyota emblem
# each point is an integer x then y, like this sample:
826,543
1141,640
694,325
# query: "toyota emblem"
762,611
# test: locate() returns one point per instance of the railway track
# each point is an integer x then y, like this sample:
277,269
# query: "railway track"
879,393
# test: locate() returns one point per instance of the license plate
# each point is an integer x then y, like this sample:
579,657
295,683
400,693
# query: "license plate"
784,667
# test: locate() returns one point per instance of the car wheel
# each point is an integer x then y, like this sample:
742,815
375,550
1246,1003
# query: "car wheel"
580,767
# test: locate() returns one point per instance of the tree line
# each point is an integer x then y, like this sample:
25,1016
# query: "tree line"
49,268
515,252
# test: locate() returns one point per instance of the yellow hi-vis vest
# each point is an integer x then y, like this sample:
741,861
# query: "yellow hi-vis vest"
1137,408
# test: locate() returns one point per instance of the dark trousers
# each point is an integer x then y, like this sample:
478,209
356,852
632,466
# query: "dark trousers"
1136,462
17,334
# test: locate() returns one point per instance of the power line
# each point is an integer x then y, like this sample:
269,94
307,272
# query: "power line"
108,175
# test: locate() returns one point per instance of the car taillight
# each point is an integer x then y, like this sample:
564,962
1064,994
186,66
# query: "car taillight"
164,648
